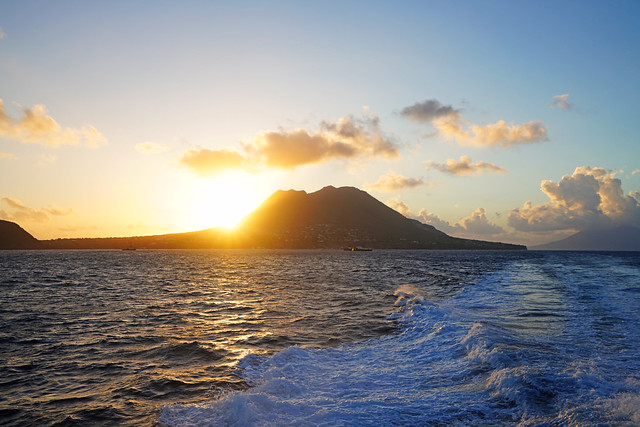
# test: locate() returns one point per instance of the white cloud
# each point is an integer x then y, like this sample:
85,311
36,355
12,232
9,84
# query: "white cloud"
476,224
451,125
464,166
392,182
561,101
7,156
2,33
37,127
589,198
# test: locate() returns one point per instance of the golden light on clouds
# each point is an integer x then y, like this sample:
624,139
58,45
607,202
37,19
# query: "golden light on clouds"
450,123
393,182
590,197
37,127
14,210
348,138
464,166
453,126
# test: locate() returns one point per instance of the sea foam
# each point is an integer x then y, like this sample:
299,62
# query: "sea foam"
477,358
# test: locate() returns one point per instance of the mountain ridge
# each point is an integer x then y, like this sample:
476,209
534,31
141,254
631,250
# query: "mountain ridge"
621,238
328,218
12,236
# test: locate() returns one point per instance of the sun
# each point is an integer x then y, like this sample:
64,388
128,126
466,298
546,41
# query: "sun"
223,202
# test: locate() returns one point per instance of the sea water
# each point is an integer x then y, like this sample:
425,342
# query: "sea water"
180,338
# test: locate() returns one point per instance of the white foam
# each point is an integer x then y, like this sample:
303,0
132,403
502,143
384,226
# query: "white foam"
448,363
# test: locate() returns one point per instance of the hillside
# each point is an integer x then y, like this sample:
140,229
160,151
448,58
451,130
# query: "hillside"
346,216
12,236
330,218
623,238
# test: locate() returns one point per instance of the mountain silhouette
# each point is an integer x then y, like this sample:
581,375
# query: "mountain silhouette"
345,216
622,238
326,219
12,236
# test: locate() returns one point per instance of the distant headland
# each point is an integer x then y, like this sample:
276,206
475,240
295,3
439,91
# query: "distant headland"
330,218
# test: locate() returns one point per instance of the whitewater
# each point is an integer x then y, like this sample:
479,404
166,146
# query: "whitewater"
551,340
306,338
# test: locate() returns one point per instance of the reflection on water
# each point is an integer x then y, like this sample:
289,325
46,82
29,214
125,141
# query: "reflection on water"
93,337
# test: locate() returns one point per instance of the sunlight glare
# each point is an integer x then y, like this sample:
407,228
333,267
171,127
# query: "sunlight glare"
224,202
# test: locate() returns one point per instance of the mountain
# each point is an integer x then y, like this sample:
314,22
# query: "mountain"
329,218
623,238
346,216
12,236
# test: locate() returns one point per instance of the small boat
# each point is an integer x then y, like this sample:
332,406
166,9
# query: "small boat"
356,249
129,248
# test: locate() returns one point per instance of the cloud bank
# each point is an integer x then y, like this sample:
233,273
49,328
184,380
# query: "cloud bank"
591,197
347,138
464,166
392,182
37,127
476,224
18,212
450,123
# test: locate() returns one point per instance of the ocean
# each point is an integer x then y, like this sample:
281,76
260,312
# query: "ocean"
319,338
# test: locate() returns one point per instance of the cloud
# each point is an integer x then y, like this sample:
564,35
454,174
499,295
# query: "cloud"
589,198
473,225
452,125
7,156
476,224
151,148
427,110
635,172
494,134
348,138
37,127
560,101
392,182
2,33
206,162
464,167
400,207
19,212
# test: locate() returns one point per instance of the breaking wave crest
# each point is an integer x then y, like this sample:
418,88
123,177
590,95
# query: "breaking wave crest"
466,360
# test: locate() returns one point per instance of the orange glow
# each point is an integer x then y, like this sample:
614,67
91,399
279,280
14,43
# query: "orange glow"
222,202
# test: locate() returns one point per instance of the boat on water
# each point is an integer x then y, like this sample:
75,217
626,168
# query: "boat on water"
129,248
357,249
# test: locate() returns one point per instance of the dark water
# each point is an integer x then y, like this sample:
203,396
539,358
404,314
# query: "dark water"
319,338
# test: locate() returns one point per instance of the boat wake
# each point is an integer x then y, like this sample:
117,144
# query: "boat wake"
447,363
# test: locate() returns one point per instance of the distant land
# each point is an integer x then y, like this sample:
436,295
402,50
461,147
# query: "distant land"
12,236
623,238
328,218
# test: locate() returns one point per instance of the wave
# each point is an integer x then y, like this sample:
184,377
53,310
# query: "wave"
463,360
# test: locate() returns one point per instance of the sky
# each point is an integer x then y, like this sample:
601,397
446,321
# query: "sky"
495,120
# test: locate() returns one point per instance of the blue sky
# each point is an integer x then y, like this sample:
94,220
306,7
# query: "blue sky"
127,118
